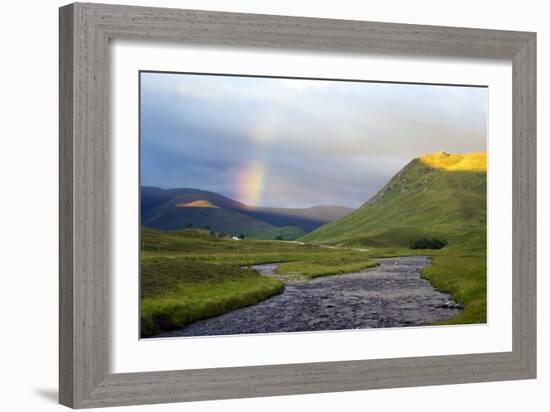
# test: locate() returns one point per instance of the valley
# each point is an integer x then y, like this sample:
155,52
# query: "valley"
195,265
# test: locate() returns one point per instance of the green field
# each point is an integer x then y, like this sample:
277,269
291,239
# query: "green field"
189,275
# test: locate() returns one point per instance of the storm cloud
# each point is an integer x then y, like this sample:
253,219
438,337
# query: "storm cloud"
297,143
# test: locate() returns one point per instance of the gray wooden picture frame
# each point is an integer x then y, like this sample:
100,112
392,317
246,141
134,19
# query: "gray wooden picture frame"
85,31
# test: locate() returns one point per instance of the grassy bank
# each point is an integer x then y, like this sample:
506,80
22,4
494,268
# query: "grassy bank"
459,270
325,267
464,277
191,275
176,292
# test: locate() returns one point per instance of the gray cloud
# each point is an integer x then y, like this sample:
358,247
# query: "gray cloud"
319,142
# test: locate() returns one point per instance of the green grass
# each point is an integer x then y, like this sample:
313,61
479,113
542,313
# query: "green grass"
200,243
280,233
325,267
198,246
464,277
176,292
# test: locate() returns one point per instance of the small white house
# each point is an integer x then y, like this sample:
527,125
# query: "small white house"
235,238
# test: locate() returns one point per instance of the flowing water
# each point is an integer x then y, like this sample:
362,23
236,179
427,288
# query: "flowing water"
390,295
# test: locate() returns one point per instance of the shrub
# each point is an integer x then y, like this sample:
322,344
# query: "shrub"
426,243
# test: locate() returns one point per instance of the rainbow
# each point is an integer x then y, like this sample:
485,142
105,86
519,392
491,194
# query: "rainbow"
250,183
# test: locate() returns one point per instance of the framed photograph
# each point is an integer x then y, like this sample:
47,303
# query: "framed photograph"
257,205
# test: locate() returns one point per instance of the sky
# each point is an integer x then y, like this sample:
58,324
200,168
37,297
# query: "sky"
296,142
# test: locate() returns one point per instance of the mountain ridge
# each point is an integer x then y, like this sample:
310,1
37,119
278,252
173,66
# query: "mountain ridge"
434,195
173,209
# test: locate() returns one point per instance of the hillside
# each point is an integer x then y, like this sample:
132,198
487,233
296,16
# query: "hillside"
173,209
436,195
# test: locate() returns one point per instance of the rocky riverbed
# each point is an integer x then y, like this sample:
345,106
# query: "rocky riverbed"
390,295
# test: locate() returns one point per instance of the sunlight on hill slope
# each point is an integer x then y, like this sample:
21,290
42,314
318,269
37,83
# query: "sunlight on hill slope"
456,162
196,203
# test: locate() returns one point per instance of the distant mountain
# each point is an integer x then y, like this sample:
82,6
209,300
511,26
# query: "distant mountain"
307,218
436,195
172,209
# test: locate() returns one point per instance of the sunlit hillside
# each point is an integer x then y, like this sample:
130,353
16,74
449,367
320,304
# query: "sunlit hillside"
457,162
439,194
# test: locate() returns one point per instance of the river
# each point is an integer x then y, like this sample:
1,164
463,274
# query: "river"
391,295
